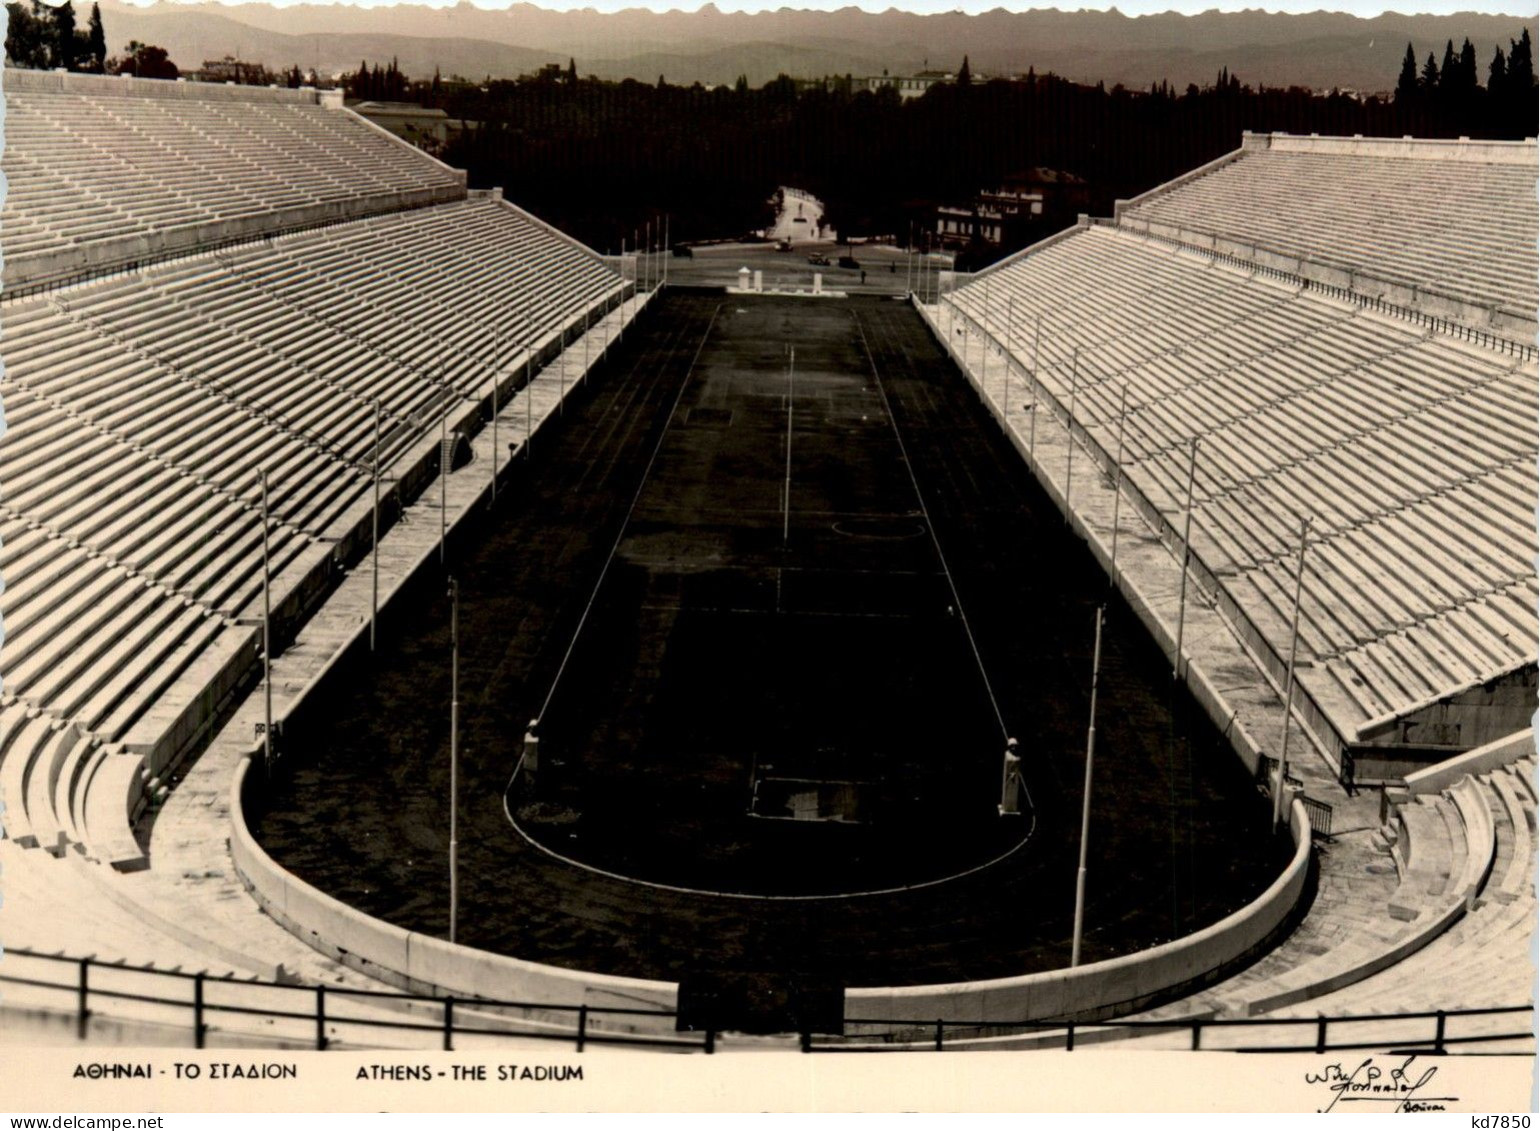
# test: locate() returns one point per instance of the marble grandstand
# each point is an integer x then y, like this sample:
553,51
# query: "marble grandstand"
1406,435
205,281
1273,327
251,266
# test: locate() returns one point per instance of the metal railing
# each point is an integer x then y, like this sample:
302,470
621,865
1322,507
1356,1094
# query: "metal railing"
440,1019
1319,812
317,1005
1449,327
1436,1038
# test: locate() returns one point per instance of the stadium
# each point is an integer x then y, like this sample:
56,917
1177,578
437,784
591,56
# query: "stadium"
424,631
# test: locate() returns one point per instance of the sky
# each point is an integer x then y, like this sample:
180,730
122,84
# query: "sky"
1129,7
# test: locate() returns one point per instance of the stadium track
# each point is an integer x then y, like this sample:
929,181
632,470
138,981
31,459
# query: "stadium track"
364,815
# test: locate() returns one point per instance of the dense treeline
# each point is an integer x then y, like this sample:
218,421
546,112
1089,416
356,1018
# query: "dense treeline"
41,37
44,37
598,158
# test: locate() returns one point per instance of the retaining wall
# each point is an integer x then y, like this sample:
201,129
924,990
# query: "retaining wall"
1117,985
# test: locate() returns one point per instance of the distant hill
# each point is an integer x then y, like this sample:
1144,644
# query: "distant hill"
1318,50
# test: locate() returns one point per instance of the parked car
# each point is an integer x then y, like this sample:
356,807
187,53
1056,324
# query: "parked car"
783,245
849,261
682,251
818,260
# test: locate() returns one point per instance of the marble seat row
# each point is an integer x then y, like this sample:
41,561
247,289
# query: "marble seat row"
1407,451
1468,850
85,167
1462,228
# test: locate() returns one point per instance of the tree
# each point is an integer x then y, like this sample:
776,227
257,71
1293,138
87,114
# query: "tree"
1497,73
65,45
1468,77
572,71
26,35
965,74
1406,86
1430,73
96,41
1449,72
145,61
1521,66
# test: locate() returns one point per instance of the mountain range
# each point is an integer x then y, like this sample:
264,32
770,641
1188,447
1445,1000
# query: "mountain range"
1319,50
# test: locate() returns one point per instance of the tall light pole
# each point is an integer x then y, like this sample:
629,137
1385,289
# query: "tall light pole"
374,541
1288,695
1069,430
267,636
443,484
1117,478
497,376
791,400
1181,612
1085,803
454,756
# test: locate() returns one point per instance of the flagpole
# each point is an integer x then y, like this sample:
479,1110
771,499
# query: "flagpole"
1181,615
374,541
1288,695
497,361
1085,804
1117,477
267,636
454,756
1069,429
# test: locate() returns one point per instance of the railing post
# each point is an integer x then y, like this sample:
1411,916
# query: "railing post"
198,1010
940,1033
320,1018
711,1041
1197,1034
449,1024
1438,1033
1320,1033
807,1041
1069,1037
582,1026
81,1012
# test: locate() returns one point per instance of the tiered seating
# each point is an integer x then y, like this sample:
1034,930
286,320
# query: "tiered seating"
1413,455
141,408
91,641
85,164
1460,228
1483,959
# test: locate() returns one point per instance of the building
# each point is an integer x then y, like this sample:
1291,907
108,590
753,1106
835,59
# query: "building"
231,69
1008,214
908,86
428,129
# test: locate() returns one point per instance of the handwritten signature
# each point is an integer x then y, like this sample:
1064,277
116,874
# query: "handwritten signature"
1400,1086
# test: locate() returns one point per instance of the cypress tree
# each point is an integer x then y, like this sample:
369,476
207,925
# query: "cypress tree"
965,74
96,40
65,46
1468,79
1429,78
1449,73
1521,65
1406,86
1497,74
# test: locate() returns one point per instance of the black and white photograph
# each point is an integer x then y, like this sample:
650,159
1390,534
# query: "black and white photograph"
768,559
